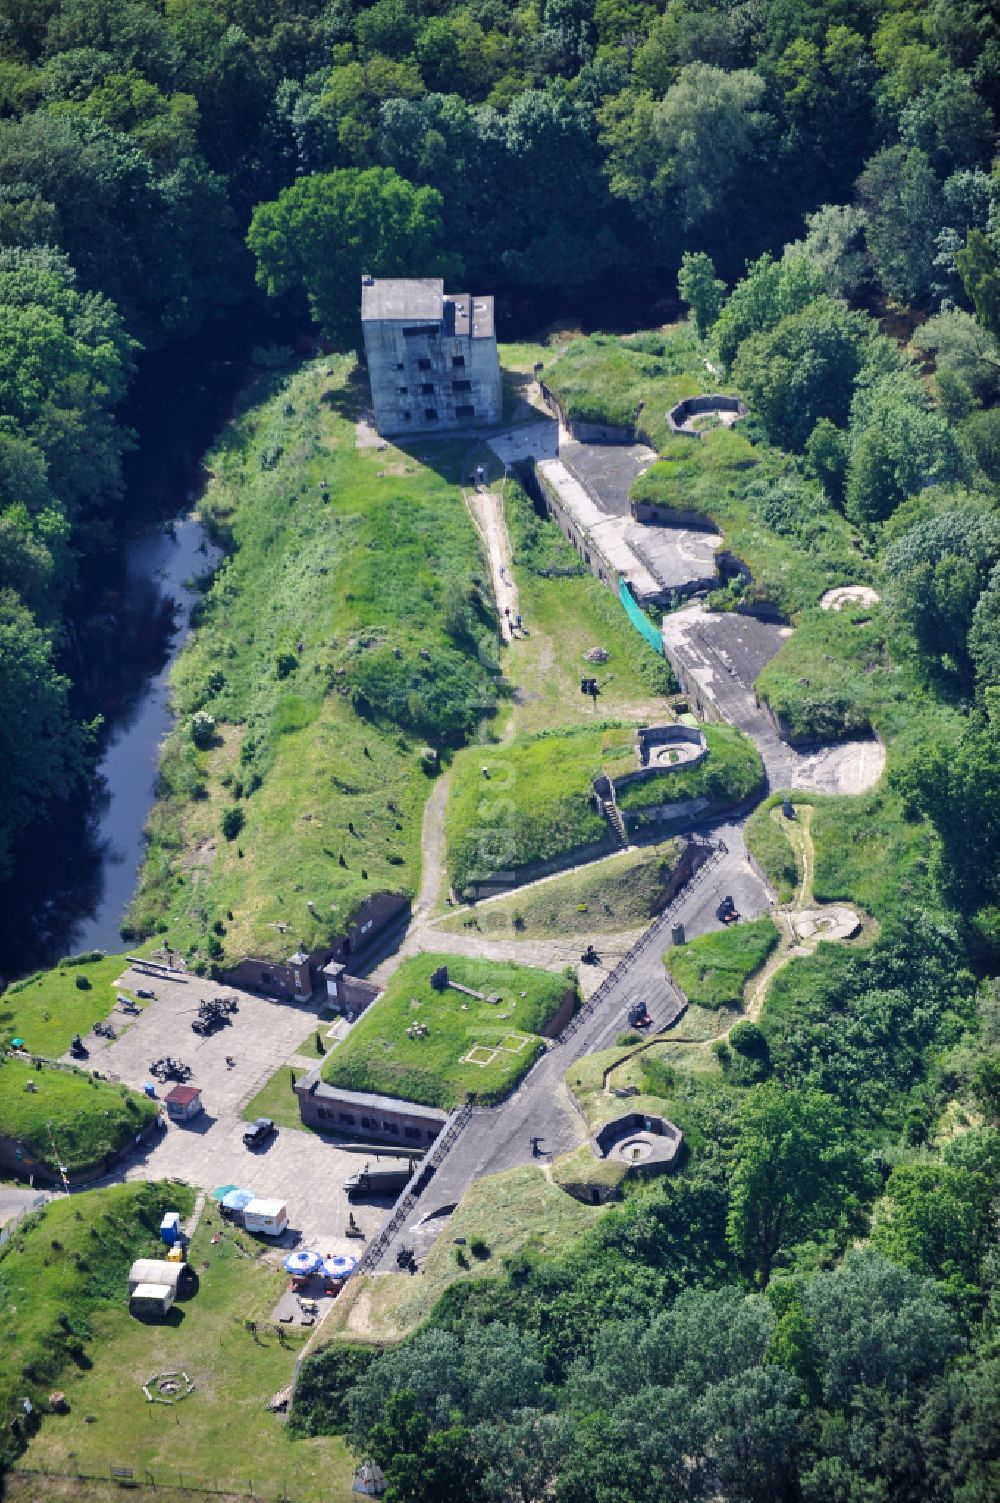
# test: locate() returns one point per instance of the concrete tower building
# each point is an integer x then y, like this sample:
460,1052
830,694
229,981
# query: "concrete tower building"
432,355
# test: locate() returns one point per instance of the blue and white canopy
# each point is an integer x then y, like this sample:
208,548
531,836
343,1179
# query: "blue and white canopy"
302,1262
340,1266
237,1199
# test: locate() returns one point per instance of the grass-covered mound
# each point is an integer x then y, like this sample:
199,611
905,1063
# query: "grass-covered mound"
535,802
48,1008
833,678
793,541
771,849
622,892
730,773
70,1118
602,379
60,1268
712,970
349,625
379,1055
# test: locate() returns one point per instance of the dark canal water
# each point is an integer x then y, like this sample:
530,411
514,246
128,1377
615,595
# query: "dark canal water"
76,876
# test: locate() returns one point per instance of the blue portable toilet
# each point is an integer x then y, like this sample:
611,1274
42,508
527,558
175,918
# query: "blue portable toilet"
150,1090
170,1228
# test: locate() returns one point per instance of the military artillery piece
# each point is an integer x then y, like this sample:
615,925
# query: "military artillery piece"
214,1014
168,1068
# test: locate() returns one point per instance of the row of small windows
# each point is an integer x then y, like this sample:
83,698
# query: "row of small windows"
427,388
371,1124
463,410
423,364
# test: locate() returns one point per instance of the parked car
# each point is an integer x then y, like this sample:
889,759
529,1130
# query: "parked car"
259,1132
145,993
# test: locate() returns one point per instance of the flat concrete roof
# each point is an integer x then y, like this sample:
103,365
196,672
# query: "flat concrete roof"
402,297
424,300
473,314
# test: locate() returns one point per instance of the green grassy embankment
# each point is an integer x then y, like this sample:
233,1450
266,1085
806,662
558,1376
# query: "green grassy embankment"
567,612
220,1434
534,802
499,1216
349,624
713,969
794,542
867,851
48,1008
59,1269
69,1118
729,774
624,891
601,378
502,1038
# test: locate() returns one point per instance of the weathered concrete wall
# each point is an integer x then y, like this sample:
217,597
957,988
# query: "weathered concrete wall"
561,1017
671,516
455,377
517,876
17,1160
360,1114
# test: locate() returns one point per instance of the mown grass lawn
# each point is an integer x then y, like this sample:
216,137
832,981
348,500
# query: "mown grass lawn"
222,1430
713,969
729,774
535,800
624,891
349,624
379,1055
48,1008
59,1269
69,1118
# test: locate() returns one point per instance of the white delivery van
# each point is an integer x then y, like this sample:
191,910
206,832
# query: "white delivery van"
268,1218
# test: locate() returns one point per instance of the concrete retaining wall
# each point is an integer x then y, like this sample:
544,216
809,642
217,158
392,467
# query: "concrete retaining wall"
17,1160
517,876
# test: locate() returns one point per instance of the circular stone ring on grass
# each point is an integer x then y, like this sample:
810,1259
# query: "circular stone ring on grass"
849,594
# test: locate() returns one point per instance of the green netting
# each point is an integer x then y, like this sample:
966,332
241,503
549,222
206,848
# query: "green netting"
642,623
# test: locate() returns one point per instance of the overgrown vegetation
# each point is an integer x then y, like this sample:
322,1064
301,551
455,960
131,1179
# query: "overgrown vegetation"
713,969
533,802
730,773
622,892
414,1042
61,1267
66,1116
324,680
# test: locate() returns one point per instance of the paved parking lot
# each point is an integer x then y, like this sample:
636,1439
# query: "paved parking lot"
299,1168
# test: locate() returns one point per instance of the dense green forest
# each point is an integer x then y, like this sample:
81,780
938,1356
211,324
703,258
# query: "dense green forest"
562,153
818,181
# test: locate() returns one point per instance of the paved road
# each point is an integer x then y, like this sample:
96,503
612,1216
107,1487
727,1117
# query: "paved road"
500,1138
15,1200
